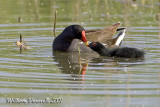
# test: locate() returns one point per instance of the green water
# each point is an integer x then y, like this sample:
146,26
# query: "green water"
106,82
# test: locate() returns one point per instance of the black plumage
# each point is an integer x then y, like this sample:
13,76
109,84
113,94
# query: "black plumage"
124,52
68,39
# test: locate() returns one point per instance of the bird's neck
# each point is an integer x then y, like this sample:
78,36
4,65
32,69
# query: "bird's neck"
67,35
101,50
104,52
68,38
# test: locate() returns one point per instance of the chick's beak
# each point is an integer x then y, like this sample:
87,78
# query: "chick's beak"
84,38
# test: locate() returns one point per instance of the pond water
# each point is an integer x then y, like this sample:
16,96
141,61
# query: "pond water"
37,73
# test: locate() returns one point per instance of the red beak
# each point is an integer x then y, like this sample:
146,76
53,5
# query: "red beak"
84,38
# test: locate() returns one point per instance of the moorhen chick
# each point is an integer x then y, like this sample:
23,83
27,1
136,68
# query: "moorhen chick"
124,52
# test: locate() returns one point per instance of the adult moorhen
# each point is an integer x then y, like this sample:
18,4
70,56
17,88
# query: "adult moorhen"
68,39
125,52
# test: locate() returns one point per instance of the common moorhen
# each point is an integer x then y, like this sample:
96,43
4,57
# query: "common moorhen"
125,52
68,39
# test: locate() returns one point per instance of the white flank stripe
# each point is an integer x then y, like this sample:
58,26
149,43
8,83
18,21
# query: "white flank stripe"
120,38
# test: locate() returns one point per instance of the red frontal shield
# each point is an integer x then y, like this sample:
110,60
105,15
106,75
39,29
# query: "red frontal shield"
84,38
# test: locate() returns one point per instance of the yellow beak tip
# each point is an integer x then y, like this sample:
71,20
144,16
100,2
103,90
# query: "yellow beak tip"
86,43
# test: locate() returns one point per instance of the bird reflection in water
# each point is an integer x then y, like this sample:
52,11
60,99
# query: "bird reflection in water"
68,63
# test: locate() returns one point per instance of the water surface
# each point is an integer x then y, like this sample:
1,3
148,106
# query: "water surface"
39,73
